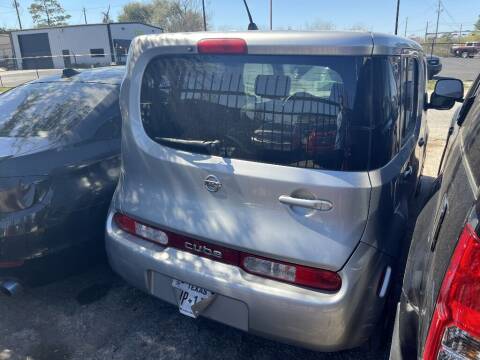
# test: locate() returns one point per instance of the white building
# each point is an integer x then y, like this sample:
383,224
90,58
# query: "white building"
76,45
5,46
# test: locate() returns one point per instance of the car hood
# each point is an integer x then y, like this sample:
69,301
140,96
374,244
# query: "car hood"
16,146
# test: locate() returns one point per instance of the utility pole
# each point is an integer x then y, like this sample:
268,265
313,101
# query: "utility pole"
85,15
15,3
460,35
426,32
271,15
436,30
204,17
396,19
406,24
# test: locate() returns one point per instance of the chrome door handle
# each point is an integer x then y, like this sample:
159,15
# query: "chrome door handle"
321,205
408,171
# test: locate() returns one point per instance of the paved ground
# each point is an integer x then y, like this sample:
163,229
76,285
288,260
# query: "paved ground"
463,69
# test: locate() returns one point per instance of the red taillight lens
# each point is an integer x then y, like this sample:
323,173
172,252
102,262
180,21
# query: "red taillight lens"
11,264
222,46
292,273
139,229
455,329
269,268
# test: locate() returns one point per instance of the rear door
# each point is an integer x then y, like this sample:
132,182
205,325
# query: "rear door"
459,192
267,154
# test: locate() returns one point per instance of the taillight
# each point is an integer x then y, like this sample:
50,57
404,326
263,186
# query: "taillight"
222,46
292,273
11,264
268,268
139,229
455,329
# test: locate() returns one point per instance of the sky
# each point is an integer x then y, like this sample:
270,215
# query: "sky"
375,15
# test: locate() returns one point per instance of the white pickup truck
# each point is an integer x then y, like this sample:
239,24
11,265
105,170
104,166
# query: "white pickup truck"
469,49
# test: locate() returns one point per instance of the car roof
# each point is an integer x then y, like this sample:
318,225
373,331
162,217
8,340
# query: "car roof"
287,42
103,75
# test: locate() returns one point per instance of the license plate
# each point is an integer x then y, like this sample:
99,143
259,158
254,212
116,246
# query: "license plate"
192,299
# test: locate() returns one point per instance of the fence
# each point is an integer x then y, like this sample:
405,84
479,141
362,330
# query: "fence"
440,48
16,71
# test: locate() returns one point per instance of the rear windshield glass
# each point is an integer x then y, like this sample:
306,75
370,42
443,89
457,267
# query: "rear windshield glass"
305,111
48,109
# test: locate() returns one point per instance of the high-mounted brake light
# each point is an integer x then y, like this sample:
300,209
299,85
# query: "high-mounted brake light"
273,269
455,328
222,46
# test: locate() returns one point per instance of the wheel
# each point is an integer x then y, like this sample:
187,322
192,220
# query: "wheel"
464,54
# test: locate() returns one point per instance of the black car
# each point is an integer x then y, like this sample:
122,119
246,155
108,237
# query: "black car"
439,312
434,66
59,165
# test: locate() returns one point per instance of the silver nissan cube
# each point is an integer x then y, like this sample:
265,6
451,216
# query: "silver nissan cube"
266,177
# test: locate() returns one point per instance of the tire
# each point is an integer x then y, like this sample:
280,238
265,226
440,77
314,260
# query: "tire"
464,54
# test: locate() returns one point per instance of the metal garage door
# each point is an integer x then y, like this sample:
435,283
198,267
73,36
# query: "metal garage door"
32,45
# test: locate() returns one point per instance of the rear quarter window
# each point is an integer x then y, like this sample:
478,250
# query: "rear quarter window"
50,109
300,111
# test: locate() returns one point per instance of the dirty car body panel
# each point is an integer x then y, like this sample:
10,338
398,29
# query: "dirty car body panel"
59,163
454,204
277,152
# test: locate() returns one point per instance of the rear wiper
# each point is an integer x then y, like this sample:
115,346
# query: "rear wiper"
204,147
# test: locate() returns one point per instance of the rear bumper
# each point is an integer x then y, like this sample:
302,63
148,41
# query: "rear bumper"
42,230
304,317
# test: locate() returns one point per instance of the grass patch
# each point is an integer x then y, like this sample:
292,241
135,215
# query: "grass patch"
3,89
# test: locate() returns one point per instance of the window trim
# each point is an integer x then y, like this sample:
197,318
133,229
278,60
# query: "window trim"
406,135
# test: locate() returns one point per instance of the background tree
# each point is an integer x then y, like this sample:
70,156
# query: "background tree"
477,24
319,24
48,13
171,15
106,16
137,12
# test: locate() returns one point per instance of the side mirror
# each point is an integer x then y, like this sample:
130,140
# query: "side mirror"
446,93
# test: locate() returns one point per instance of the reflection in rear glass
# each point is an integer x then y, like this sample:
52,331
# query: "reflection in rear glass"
48,109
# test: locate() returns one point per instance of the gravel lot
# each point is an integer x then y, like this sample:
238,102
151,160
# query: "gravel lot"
96,315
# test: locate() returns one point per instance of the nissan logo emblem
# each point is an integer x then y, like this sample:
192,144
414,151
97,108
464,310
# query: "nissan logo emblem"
212,183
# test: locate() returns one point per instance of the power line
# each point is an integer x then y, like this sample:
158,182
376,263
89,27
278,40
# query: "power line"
15,3
436,31
447,12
